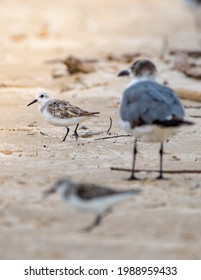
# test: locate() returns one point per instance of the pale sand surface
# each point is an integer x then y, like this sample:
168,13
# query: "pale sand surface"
162,223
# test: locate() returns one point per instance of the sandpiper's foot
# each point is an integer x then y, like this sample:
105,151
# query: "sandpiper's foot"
75,132
88,229
76,135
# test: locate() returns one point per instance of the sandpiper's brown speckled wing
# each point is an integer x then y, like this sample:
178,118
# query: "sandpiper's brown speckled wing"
63,109
92,191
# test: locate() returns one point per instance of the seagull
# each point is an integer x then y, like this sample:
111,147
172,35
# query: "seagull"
90,197
61,112
149,110
193,3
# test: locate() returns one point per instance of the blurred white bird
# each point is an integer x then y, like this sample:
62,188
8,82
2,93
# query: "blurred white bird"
90,197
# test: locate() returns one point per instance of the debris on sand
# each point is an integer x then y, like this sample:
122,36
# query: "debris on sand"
76,65
124,58
188,53
186,62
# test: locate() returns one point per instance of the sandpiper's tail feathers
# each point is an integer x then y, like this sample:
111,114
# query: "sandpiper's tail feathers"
130,192
94,113
173,122
124,195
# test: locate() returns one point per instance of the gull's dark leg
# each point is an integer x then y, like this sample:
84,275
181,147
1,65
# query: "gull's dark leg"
132,177
98,220
66,133
75,132
161,163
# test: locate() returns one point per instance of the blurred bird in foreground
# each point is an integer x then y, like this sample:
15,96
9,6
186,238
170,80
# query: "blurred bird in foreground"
90,197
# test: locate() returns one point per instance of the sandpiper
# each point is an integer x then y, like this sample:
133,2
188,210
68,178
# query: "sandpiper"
90,197
149,110
61,112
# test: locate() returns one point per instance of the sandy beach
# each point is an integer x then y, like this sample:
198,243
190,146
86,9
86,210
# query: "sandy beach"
161,223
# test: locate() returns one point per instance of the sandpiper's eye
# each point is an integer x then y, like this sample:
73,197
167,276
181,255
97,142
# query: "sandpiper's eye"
42,96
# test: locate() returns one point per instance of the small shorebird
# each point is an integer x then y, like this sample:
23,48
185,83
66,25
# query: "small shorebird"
90,197
149,111
61,112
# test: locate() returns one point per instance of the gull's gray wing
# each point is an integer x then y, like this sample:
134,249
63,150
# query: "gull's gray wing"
149,102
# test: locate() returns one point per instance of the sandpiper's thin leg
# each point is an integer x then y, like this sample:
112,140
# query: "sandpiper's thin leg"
95,223
66,133
161,162
132,177
98,220
75,132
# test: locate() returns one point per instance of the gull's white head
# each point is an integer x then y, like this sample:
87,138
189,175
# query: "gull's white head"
141,69
42,98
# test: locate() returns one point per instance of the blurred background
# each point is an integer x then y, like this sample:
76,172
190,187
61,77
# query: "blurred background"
90,27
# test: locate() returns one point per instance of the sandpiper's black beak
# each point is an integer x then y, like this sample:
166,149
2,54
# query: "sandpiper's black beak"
32,102
48,192
124,73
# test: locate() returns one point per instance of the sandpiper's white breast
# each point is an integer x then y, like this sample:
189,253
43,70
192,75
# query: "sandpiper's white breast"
89,205
62,121
96,205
